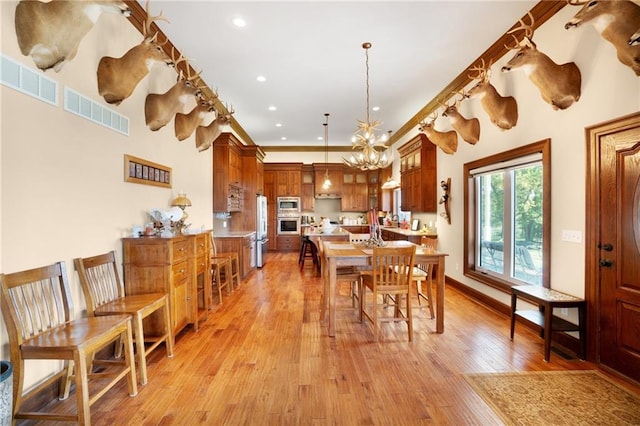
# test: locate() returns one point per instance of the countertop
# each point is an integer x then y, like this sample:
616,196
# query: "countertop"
234,234
408,232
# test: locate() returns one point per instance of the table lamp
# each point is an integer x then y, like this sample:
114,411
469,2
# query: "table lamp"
183,202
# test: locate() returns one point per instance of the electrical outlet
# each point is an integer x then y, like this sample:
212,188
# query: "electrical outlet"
572,236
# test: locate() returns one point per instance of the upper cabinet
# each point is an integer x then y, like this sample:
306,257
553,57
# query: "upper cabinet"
307,195
418,169
355,190
286,178
334,170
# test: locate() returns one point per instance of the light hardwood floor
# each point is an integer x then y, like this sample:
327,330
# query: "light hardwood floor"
263,357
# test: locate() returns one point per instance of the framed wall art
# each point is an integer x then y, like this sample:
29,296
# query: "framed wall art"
137,170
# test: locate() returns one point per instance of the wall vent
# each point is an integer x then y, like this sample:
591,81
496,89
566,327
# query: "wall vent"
81,105
27,80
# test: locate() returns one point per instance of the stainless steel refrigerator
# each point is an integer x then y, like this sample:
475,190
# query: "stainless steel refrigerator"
261,230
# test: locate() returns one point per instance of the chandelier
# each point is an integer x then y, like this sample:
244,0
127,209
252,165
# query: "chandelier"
327,182
373,152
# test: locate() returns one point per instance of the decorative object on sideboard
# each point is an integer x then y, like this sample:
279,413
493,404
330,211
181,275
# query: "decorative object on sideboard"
374,153
137,170
446,187
182,202
327,182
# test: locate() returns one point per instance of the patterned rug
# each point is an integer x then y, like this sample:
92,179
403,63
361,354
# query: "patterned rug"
557,398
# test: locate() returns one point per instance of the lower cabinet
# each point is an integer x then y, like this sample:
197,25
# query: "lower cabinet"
288,242
243,245
177,266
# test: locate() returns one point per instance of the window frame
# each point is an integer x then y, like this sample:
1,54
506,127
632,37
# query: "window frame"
470,222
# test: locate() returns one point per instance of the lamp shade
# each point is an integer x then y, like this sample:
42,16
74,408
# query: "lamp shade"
390,184
181,201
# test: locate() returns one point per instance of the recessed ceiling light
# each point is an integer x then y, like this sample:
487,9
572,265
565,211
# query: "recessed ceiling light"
320,138
376,108
261,78
278,124
239,22
284,138
272,108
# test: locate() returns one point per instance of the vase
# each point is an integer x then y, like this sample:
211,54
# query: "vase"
6,393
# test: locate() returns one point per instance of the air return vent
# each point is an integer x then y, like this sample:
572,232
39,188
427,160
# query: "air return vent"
79,104
28,80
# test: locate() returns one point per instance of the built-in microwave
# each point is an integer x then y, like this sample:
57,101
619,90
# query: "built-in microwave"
288,205
289,225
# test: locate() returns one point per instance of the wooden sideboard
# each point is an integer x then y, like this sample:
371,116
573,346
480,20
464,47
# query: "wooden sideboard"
178,266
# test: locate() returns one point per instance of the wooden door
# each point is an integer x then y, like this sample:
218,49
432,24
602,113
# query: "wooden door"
613,264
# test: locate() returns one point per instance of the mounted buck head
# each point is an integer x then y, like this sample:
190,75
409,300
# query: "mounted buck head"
118,77
559,85
159,109
447,141
502,110
468,129
618,22
50,32
185,124
206,135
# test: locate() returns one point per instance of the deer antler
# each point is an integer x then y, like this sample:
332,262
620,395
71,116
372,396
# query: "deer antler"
528,29
577,3
481,70
150,19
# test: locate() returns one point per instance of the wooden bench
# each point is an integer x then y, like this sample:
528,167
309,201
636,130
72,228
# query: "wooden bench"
547,300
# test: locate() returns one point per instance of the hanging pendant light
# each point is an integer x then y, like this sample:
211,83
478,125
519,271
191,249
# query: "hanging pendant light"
373,152
327,182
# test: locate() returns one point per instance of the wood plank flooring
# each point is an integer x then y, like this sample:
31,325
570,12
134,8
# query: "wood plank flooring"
264,358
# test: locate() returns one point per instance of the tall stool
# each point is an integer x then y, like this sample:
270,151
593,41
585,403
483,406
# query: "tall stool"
307,249
232,273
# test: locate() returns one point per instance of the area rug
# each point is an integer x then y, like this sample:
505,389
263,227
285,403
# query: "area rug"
557,398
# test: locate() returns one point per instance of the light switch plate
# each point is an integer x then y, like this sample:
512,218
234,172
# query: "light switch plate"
572,236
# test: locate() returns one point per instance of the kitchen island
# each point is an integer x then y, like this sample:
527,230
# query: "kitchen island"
241,242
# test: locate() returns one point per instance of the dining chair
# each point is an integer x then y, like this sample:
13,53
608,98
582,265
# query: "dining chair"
233,270
38,315
352,271
391,275
104,293
424,273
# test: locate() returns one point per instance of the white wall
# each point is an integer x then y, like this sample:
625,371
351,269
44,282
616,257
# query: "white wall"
609,90
62,186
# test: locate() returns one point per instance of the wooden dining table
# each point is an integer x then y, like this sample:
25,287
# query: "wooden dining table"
335,254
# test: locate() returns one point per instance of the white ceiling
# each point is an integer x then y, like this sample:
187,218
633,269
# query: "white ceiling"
312,57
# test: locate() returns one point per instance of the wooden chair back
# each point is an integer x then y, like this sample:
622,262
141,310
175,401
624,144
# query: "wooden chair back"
392,268
359,238
100,280
429,242
214,248
33,302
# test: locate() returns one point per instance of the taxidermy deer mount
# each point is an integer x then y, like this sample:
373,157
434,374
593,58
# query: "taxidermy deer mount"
502,110
185,124
50,32
118,77
159,109
205,135
446,141
468,129
618,22
559,85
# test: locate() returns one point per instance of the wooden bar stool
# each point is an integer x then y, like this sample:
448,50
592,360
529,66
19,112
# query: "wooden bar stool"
233,272
307,250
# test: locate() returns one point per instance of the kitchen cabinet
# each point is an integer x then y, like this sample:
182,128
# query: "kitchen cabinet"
334,171
288,183
355,190
270,193
227,174
288,243
418,170
177,266
244,245
373,189
307,196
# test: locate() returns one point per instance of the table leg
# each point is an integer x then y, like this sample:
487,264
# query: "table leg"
582,317
514,301
324,300
332,296
548,314
440,296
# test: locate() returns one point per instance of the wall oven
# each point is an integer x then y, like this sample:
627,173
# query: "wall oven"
288,225
288,206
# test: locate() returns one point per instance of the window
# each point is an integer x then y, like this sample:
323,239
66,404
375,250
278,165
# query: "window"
507,200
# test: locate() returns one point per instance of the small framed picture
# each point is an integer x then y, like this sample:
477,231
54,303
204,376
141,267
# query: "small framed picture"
137,170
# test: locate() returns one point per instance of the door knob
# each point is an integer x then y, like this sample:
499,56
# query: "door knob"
606,263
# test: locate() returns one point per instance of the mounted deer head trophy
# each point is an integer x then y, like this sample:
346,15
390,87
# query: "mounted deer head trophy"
468,129
618,22
206,135
159,109
446,141
559,85
502,110
51,32
118,77
185,124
